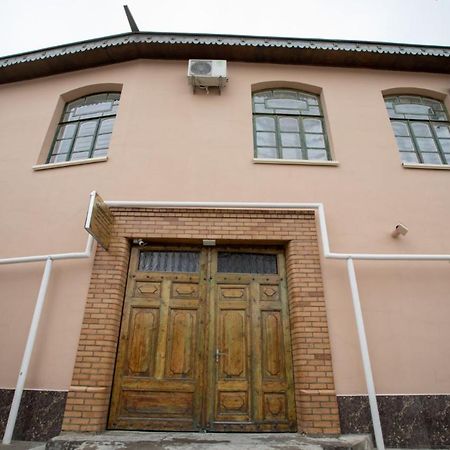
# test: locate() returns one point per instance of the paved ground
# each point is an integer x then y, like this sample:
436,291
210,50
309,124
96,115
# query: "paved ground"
198,441
23,445
193,441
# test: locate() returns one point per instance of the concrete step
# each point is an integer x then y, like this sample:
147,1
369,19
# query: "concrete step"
122,440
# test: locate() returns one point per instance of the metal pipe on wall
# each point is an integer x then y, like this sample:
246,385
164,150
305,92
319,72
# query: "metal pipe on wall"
365,355
27,353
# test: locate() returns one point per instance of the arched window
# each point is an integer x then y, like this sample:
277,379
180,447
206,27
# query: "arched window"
421,127
288,124
85,128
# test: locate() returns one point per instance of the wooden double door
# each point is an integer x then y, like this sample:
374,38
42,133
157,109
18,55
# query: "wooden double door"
204,342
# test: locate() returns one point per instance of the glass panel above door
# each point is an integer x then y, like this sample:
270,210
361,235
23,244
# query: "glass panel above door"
246,263
159,261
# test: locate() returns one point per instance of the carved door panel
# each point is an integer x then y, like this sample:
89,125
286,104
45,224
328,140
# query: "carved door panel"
204,343
158,382
250,368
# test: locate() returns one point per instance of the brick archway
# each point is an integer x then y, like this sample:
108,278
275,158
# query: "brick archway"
89,395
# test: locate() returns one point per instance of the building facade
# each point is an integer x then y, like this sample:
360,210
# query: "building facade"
252,329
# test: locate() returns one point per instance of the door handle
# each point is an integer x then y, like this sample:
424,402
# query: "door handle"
218,353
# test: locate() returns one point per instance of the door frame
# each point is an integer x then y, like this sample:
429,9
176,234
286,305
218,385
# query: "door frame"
88,397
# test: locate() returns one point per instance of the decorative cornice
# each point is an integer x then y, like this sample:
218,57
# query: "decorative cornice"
108,50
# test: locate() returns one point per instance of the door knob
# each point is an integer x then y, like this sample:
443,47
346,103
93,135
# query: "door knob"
218,353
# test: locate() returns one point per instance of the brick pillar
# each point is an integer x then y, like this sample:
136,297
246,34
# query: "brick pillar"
315,395
88,398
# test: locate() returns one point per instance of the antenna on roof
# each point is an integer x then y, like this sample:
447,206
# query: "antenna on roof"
133,26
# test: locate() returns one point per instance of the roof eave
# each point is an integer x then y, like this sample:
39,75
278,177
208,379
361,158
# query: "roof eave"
129,46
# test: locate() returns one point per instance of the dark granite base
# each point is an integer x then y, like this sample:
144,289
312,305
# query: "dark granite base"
40,414
407,421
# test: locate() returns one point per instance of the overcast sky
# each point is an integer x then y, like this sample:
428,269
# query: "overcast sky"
27,25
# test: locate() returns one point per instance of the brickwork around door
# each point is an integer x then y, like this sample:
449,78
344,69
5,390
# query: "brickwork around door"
316,404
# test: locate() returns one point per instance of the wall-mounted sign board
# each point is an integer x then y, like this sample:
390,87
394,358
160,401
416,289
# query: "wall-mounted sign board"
99,220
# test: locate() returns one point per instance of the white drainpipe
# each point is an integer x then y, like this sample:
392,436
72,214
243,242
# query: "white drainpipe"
241,205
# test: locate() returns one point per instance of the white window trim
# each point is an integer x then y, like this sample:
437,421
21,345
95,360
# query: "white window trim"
426,166
70,163
303,162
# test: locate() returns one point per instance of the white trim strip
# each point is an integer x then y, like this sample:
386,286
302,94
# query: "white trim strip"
69,163
426,166
302,162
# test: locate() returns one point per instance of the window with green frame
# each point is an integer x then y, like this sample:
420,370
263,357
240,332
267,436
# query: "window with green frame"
85,128
289,124
421,127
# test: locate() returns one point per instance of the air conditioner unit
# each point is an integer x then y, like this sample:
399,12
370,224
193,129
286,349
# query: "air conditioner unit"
207,72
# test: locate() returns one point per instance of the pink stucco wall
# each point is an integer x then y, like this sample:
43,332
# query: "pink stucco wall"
169,144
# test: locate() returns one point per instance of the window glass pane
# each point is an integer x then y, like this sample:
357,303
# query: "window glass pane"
288,124
445,145
79,155
91,106
82,144
292,112
246,263
442,130
394,115
410,157
58,158
286,93
436,105
114,96
421,129
66,131
312,101
447,157
102,141
290,139
291,153
412,109
101,152
91,110
267,152
87,128
71,107
260,108
431,158
169,261
286,103
408,99
263,138
315,140
427,144
415,107
62,146
405,143
260,97
312,125
312,111
400,129
106,126
265,123
440,116
317,155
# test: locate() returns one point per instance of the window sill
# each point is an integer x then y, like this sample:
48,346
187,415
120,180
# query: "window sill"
70,163
304,162
426,166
